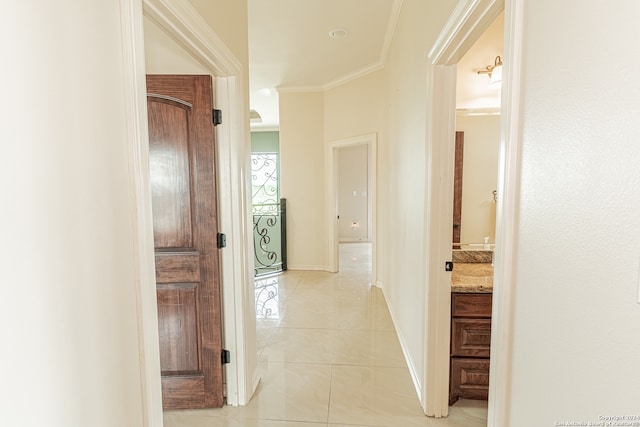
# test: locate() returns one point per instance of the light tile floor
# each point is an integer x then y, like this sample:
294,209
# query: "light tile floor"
329,356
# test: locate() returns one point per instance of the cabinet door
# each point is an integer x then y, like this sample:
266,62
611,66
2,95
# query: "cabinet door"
470,337
469,379
471,305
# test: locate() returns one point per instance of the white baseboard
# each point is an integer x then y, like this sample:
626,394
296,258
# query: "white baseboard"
308,267
412,370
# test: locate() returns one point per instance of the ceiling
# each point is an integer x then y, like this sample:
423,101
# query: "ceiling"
291,49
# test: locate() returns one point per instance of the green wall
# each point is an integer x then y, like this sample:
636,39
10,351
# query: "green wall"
265,142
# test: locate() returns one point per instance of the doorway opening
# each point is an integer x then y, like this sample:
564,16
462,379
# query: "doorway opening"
354,204
356,199
465,26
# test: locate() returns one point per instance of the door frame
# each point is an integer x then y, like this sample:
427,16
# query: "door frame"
137,135
331,171
183,23
465,25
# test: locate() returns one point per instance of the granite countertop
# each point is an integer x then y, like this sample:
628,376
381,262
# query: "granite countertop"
472,277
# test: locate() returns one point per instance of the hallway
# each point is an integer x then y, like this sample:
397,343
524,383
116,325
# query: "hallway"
329,356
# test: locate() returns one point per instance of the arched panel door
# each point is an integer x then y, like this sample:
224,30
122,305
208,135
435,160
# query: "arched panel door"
183,191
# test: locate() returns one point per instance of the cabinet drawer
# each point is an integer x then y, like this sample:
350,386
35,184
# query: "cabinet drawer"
469,379
471,305
471,337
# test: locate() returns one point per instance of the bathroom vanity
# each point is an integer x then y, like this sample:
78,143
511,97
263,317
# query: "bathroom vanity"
471,298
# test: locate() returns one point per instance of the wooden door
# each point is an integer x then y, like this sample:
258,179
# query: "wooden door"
183,189
457,189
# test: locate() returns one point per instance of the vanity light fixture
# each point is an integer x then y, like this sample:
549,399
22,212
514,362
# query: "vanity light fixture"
494,72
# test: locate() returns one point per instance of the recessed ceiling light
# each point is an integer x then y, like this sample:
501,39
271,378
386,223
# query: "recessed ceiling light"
338,33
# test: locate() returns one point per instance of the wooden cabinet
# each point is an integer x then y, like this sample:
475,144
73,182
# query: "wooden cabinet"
470,346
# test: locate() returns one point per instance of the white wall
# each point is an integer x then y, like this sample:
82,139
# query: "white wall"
479,177
355,108
164,56
405,165
577,317
302,178
229,19
353,193
68,316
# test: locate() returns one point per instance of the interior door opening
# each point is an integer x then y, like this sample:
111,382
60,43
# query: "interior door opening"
465,27
352,195
476,140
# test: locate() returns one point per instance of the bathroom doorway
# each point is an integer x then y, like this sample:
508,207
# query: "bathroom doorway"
465,27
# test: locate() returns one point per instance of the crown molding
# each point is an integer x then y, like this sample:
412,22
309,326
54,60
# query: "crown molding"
378,65
394,17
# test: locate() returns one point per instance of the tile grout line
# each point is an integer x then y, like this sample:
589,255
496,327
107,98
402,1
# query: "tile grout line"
330,388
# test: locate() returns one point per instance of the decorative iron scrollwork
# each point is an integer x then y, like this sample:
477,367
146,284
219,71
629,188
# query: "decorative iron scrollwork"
269,224
267,229
267,298
264,178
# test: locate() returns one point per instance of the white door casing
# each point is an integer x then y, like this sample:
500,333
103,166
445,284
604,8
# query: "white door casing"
467,22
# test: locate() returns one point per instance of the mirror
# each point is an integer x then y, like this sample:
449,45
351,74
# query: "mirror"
476,180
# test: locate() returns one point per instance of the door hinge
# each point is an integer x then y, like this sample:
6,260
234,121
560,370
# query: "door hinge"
226,356
221,239
448,266
217,117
